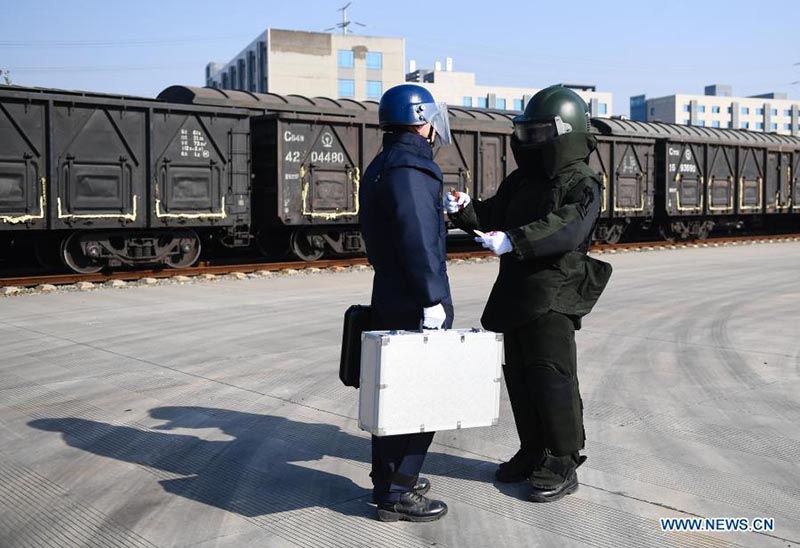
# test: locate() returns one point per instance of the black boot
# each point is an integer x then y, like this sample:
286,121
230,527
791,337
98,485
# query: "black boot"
519,467
556,478
422,486
412,507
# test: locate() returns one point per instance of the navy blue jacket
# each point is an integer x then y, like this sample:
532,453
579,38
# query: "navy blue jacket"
402,223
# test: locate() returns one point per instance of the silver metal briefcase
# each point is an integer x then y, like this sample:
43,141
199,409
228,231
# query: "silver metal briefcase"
415,381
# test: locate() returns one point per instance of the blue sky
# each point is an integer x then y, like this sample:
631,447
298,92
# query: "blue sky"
625,47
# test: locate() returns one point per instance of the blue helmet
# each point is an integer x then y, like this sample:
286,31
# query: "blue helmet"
412,105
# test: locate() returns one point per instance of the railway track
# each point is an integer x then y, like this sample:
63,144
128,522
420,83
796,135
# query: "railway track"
205,269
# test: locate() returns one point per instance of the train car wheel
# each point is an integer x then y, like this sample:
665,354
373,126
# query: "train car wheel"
80,256
186,252
308,247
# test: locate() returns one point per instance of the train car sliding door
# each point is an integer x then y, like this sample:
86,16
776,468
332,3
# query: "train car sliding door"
684,179
750,189
22,166
795,182
456,162
100,171
721,191
779,175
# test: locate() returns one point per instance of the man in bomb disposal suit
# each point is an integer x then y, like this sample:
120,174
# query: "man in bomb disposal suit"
540,223
402,221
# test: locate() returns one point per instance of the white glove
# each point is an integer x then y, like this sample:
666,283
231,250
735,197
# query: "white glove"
433,317
496,242
456,202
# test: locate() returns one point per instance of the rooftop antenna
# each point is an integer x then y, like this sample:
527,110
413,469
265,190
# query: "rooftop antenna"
345,24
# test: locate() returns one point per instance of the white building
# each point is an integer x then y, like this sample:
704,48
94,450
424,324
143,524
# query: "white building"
313,64
319,64
460,89
770,112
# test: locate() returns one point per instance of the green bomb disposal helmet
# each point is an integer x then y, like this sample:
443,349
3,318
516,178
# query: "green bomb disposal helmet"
551,113
412,105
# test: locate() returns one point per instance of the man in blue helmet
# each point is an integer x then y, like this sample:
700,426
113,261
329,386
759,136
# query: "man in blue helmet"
540,223
402,222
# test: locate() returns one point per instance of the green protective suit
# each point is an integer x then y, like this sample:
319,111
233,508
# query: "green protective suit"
546,283
548,212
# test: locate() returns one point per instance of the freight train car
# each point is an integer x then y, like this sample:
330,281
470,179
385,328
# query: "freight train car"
686,181
309,154
95,180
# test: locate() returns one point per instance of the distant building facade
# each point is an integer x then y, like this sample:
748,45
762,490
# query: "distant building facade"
319,64
460,89
313,64
769,112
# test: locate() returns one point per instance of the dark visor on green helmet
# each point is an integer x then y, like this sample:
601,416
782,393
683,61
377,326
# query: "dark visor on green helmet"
537,132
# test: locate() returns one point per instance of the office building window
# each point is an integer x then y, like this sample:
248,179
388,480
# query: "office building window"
466,101
715,110
374,60
730,124
652,111
745,125
687,122
774,111
787,112
602,108
730,110
745,110
374,89
701,123
687,108
787,127
240,69
517,104
774,126
715,123
759,112
759,125
344,58
482,102
347,88
501,104
701,108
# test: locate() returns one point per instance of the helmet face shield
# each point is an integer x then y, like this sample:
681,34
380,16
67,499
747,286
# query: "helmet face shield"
436,115
538,132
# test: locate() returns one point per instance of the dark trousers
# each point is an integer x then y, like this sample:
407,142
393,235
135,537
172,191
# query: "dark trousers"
397,460
542,380
396,463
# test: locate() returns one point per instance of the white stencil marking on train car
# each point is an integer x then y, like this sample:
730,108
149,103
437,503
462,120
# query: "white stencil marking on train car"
327,140
327,157
194,146
290,137
293,156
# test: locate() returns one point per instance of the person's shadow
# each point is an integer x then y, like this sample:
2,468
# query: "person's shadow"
271,464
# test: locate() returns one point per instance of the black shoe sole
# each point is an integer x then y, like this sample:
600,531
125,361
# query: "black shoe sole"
388,515
537,497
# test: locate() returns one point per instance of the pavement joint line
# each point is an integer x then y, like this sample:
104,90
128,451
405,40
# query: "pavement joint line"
668,507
